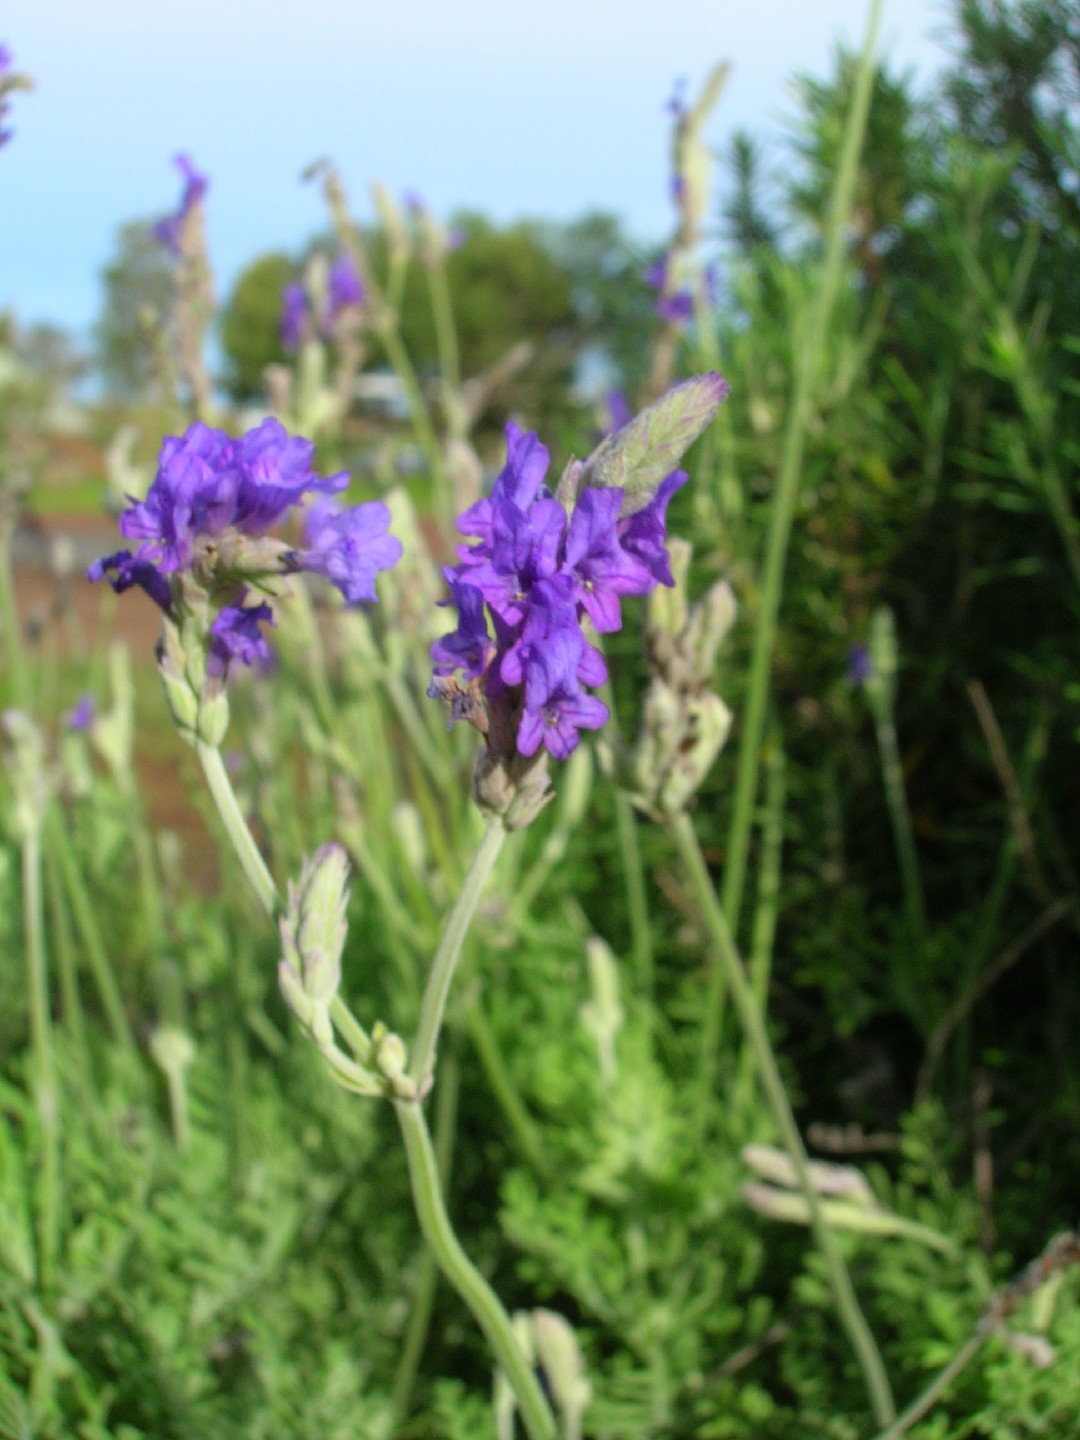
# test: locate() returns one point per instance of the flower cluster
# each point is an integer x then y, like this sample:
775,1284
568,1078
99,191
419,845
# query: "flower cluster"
537,573
170,230
344,291
203,528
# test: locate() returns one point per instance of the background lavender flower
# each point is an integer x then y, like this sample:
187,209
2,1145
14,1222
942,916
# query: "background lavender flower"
81,717
7,65
170,229
344,286
294,315
859,668
349,546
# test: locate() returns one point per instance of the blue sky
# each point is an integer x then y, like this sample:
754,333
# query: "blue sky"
546,110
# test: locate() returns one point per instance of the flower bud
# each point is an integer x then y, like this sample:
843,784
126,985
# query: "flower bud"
603,1014
880,684
641,454
313,931
560,1355
26,765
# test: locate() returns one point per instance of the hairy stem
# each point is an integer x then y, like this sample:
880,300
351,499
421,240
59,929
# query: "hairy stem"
726,956
463,1274
236,827
433,1005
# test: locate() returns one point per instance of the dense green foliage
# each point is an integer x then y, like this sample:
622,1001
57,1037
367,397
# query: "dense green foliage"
237,1252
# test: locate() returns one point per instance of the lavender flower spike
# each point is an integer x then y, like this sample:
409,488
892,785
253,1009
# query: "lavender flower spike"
170,230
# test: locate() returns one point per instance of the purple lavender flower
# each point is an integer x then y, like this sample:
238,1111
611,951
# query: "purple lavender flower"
82,716
556,707
619,412
7,59
538,576
235,635
344,286
349,546
294,315
644,534
204,523
170,229
859,667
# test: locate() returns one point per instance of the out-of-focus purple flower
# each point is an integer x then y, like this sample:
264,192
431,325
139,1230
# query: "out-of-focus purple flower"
456,237
677,309
349,546
294,315
235,635
619,412
170,229
344,285
414,203
676,105
539,575
859,668
7,64
81,717
205,519
675,304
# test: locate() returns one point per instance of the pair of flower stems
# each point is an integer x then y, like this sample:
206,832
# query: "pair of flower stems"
423,1169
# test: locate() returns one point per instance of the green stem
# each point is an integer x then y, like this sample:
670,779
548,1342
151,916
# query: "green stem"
446,956
637,903
71,1000
847,1304
446,1099
46,1094
940,1383
808,363
236,827
892,772
10,633
82,910
445,330
504,1090
421,419
462,1274
768,904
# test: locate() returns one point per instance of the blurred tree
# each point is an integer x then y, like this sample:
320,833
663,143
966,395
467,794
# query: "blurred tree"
138,284
49,351
249,325
744,220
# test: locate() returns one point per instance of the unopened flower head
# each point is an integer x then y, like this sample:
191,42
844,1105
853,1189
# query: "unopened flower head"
170,230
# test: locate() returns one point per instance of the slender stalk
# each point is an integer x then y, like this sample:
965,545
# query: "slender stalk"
445,330
477,1294
940,1383
521,1124
71,1000
46,1094
726,956
808,364
446,1100
421,420
243,842
637,904
59,843
768,904
10,633
892,772
443,966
